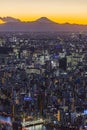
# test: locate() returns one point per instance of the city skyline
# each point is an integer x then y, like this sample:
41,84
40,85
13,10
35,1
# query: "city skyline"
58,11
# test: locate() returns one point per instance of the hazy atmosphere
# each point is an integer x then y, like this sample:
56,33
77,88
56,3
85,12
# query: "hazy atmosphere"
60,11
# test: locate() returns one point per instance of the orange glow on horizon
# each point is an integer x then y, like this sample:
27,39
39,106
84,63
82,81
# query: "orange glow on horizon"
57,19
60,11
61,20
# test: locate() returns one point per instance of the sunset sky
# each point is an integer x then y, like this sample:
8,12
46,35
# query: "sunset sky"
61,11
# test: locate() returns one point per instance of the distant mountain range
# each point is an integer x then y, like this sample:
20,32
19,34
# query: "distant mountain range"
40,25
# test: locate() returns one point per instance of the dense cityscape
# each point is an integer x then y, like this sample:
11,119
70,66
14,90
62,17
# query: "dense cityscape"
43,79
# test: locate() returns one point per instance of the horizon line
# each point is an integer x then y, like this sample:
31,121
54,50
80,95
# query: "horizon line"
26,21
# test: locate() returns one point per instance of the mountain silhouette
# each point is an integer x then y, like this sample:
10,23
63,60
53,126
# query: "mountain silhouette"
42,24
44,20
